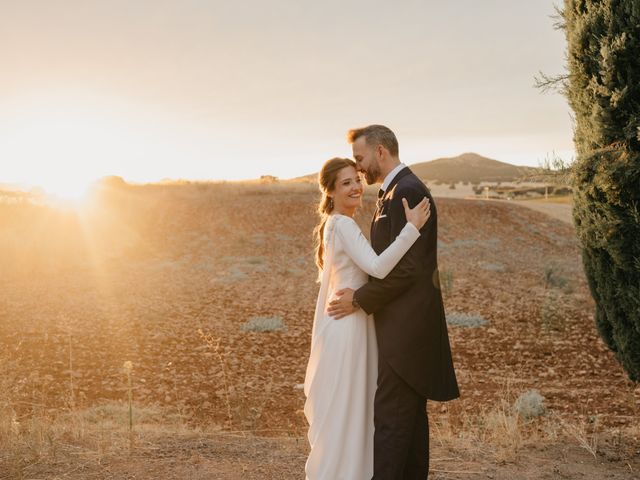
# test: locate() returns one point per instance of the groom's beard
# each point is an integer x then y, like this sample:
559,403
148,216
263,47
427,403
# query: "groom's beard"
372,174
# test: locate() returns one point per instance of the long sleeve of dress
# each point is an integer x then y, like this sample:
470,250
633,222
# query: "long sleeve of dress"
358,248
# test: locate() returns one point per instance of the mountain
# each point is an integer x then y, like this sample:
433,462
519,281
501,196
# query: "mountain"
469,167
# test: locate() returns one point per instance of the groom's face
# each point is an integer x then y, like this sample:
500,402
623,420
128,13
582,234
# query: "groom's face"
366,160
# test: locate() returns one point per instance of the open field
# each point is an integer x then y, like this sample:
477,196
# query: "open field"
175,278
558,207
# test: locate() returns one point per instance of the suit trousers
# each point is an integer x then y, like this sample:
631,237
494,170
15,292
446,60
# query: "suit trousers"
401,438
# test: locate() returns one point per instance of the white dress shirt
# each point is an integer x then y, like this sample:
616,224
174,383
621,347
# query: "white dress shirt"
390,176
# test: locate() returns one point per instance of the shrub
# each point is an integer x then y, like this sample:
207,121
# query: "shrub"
552,278
465,320
530,405
445,278
603,89
550,313
264,324
493,267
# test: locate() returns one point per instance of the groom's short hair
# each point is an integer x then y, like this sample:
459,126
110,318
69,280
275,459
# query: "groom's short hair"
376,135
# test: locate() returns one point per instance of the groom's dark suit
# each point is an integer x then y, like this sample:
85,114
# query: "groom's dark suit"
415,361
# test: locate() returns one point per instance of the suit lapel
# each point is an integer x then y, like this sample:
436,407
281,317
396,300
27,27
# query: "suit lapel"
387,193
402,173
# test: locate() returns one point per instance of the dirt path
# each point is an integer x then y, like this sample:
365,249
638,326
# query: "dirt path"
561,211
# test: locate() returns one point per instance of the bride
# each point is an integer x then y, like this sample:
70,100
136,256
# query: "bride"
340,381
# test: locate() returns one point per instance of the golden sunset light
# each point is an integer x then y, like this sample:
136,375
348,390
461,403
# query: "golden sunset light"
346,239
215,91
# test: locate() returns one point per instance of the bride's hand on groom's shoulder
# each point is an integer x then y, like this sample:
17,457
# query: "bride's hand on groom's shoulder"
419,214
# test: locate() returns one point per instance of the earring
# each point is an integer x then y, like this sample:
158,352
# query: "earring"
330,204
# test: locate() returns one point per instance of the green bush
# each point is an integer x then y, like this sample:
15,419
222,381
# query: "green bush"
603,89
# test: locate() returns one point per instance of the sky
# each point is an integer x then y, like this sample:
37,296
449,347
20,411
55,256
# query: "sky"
207,89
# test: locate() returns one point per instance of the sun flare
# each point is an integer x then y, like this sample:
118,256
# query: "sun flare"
64,145
67,189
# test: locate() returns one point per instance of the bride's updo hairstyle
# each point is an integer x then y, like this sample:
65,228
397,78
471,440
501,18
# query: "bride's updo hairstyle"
327,182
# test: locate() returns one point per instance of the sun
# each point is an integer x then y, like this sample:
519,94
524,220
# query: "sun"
67,189
64,145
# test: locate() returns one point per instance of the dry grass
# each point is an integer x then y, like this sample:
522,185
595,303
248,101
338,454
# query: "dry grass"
109,440
504,433
96,443
498,431
53,439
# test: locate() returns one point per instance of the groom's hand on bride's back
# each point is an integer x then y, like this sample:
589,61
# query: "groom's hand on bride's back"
342,305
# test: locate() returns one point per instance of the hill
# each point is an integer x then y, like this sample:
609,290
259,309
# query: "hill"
470,167
309,178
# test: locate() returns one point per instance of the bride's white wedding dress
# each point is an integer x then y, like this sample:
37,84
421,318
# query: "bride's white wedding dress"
340,381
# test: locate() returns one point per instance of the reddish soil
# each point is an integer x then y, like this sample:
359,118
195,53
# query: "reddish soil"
141,273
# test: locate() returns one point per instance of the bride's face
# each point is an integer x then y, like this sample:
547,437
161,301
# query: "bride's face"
347,193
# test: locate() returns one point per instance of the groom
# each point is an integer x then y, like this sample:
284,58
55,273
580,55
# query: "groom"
414,359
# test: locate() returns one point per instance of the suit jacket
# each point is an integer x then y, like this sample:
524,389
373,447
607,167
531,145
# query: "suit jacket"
407,304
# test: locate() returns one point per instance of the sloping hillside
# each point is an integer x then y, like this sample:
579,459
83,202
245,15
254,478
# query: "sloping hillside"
469,167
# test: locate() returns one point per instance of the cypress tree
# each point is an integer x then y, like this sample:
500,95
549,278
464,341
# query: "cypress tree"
603,89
